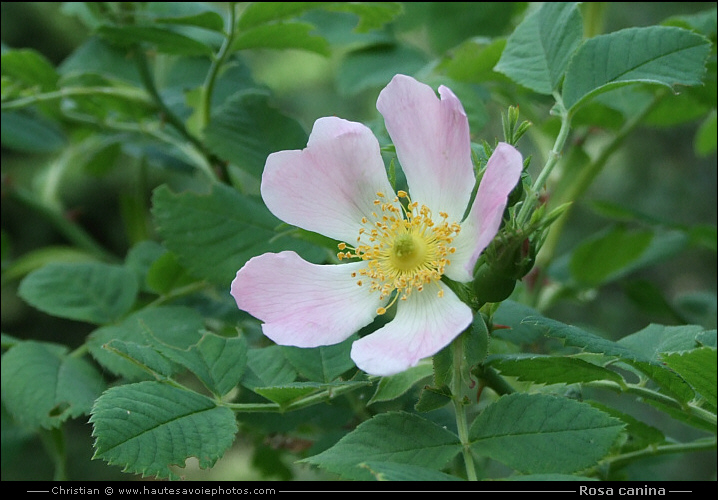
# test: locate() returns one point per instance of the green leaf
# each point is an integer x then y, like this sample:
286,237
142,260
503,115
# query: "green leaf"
257,13
389,437
372,15
639,434
145,357
285,395
660,55
374,66
30,68
42,386
219,362
474,61
245,129
163,40
654,339
214,234
31,133
89,291
619,251
321,364
577,337
268,367
283,35
705,140
392,471
538,51
535,433
35,259
172,325
553,370
396,385
433,398
208,20
149,426
698,368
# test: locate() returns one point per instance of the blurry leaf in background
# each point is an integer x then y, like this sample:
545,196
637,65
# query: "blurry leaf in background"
42,386
89,291
214,234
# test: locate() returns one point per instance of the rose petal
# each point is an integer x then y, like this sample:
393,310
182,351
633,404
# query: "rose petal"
331,184
481,225
424,324
304,304
432,143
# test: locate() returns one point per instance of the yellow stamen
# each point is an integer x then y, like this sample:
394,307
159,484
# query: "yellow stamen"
405,249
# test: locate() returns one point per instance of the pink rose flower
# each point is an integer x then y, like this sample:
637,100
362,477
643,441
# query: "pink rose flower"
399,244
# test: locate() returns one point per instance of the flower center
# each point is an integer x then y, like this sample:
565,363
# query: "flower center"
404,247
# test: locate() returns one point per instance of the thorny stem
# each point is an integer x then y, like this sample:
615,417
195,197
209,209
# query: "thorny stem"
459,409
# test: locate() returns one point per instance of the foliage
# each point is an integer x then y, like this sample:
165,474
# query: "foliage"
131,177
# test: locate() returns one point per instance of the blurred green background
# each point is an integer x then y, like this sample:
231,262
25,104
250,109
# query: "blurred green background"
656,173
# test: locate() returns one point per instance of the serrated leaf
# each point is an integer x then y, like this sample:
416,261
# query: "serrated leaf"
433,398
389,437
639,358
553,370
538,51
173,325
245,129
535,433
42,386
214,234
89,291
698,368
655,339
577,337
144,356
321,364
639,434
396,385
282,35
392,471
660,55
149,426
219,362
268,367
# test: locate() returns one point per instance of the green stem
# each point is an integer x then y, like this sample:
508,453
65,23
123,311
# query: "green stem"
129,94
460,412
703,444
167,114
553,157
54,442
217,62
